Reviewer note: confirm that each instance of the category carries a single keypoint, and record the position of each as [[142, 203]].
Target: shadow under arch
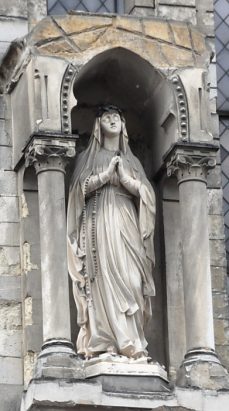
[[121, 77]]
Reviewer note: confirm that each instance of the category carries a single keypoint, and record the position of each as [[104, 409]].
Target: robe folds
[[111, 254]]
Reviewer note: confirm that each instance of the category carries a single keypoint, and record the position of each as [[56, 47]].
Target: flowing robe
[[111, 256]]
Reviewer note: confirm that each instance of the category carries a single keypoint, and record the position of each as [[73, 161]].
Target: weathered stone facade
[[177, 39]]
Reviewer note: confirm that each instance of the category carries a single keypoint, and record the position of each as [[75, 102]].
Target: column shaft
[[196, 265], [55, 293]]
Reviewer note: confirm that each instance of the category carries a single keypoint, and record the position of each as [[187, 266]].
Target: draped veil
[[85, 167]]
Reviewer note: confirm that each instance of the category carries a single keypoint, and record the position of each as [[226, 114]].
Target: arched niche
[[147, 97], [149, 104]]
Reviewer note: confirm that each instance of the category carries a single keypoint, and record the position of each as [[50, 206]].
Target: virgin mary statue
[[111, 218]]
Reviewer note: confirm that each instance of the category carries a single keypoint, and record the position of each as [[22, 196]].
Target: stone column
[[49, 156], [190, 164]]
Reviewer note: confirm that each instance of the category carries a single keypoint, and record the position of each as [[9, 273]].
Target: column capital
[[49, 152], [190, 162]]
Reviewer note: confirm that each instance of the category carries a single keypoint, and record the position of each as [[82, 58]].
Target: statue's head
[[110, 123], [110, 120]]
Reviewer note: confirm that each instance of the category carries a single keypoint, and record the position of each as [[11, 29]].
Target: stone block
[[10, 261], [5, 158], [2, 107], [12, 29], [33, 338], [131, 6], [218, 253], [220, 306], [4, 135], [222, 351], [215, 125], [177, 57], [33, 284], [10, 316], [13, 8], [214, 177], [181, 34], [219, 279], [10, 343], [10, 288], [29, 365], [215, 201], [207, 22], [177, 13], [203, 375], [126, 23], [59, 48], [47, 30], [11, 371], [77, 24], [86, 40], [215, 401], [37, 311], [9, 234], [152, 52], [216, 227], [207, 5], [8, 183], [212, 75], [198, 40], [157, 29], [143, 11], [10, 397], [9, 209], [28, 311], [221, 328], [37, 10]]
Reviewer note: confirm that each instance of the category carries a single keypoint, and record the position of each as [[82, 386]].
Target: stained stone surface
[[52, 40]]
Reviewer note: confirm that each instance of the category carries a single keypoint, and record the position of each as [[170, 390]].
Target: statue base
[[119, 374]]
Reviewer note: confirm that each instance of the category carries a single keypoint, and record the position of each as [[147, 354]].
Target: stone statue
[[111, 218]]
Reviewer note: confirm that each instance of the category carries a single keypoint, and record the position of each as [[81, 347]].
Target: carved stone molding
[[49, 153], [66, 90], [182, 106], [189, 162]]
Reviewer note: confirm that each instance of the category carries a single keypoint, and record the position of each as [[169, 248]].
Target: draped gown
[[110, 254]]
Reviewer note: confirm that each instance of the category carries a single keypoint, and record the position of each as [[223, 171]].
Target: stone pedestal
[[118, 374], [49, 155], [105, 382], [190, 164]]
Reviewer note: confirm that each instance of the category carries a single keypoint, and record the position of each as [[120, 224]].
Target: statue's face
[[111, 123]]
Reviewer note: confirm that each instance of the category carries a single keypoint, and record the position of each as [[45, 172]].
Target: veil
[[84, 167]]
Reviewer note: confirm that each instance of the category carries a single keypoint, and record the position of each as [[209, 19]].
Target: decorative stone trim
[[49, 153], [189, 162], [66, 89], [182, 107]]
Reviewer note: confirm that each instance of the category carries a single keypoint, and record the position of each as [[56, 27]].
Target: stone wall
[[22, 305], [11, 378]]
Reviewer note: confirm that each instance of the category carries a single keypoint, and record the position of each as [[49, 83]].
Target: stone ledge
[[86, 395]]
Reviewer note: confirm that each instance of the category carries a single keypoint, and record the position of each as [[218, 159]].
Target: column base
[[58, 360], [202, 369]]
